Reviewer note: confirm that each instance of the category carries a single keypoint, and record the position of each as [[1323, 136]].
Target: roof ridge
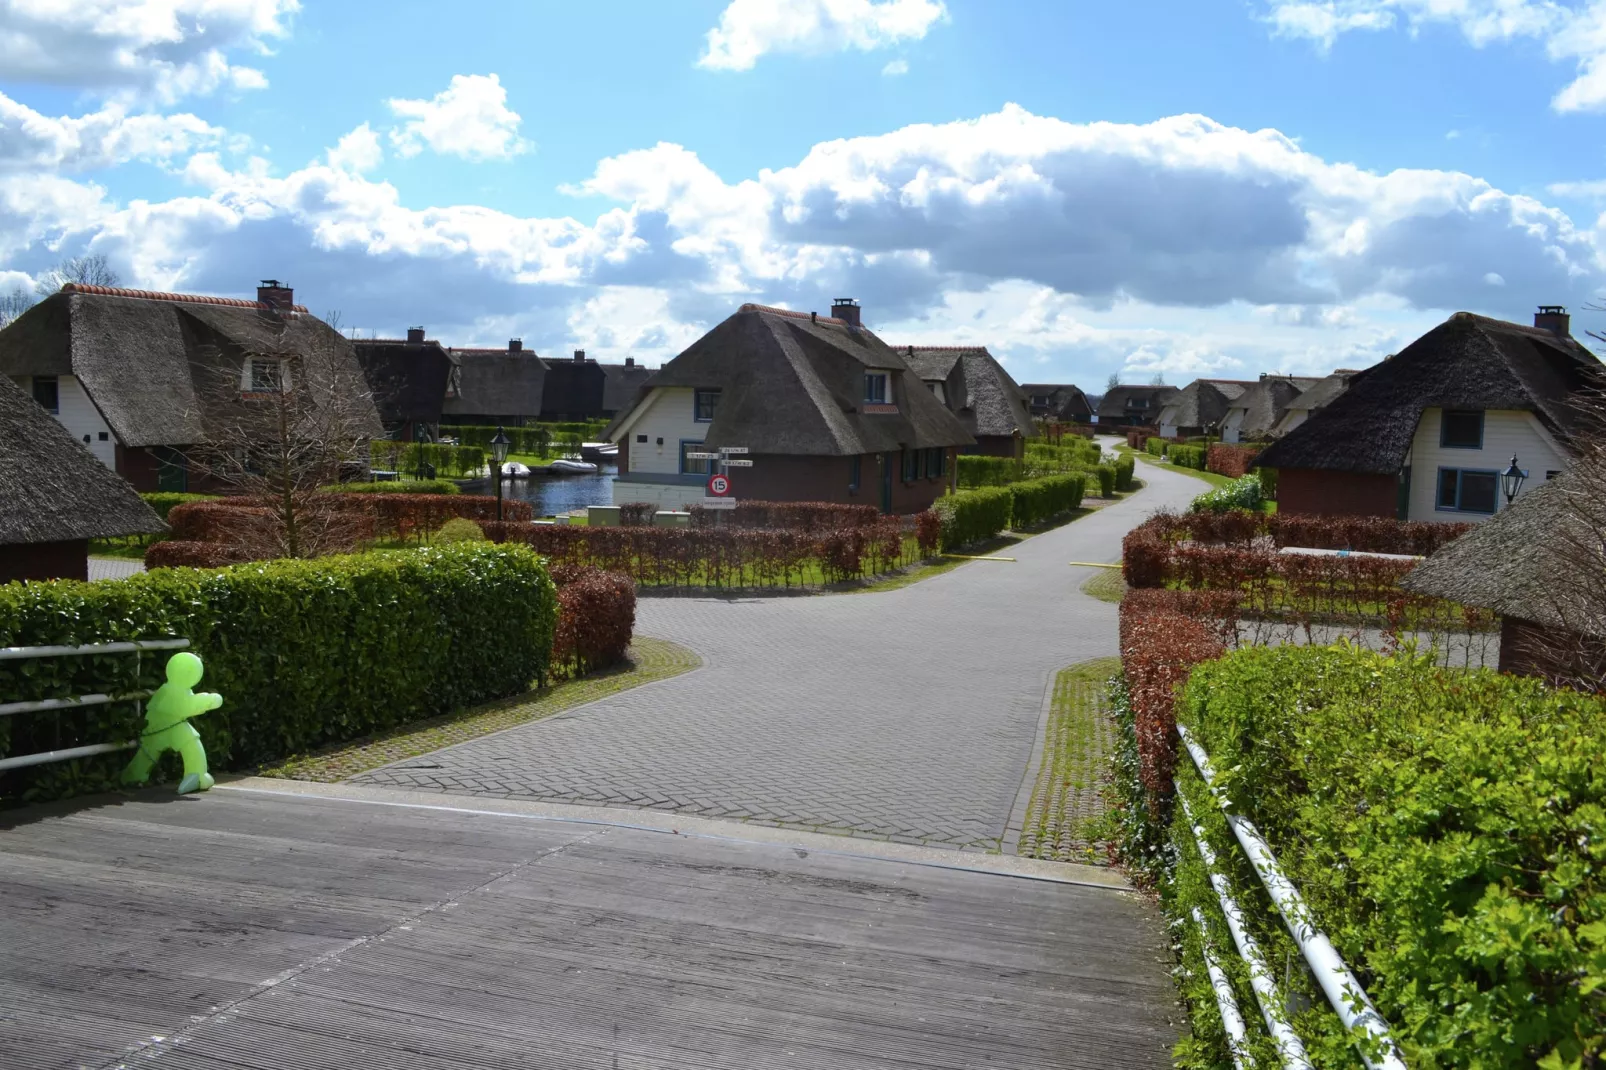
[[941, 349], [158, 295], [793, 313]]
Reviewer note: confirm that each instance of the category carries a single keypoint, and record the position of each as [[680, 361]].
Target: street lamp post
[[1511, 479], [499, 446]]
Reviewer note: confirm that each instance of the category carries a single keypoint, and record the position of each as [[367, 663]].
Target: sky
[[1171, 187]]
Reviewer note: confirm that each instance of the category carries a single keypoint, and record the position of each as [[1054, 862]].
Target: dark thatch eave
[[1066, 401], [794, 385], [408, 379], [1116, 403], [622, 384], [52, 489], [497, 382], [1202, 403], [978, 390], [1466, 362], [1264, 403]]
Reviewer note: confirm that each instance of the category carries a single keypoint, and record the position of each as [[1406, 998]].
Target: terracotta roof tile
[[157, 295], [794, 314]]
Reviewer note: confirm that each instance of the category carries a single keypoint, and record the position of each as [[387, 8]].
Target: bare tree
[[1158, 380], [1113, 381], [91, 270], [14, 304], [284, 418]]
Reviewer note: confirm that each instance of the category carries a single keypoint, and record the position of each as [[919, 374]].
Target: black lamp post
[[499, 446], [1511, 479]]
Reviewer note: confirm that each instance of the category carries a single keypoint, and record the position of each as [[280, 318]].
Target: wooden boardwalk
[[294, 932]]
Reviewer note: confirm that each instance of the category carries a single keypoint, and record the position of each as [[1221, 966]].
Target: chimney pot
[[415, 334], [1554, 318], [276, 296], [579, 354], [515, 345], [847, 310], [630, 362]]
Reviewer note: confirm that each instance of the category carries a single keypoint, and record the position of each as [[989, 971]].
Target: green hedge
[[1268, 483], [975, 470], [969, 516], [304, 653], [1154, 446], [163, 501], [1124, 467], [1446, 829], [532, 439], [1242, 493], [1187, 456], [1105, 474], [465, 462], [1037, 500], [397, 486]]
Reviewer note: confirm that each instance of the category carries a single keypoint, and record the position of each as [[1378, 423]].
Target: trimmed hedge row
[[1187, 456], [1230, 460], [1242, 493], [1371, 534], [162, 502], [465, 462], [596, 617], [1125, 466], [970, 516], [976, 470], [791, 516], [1037, 500], [1444, 829], [305, 653], [396, 486]]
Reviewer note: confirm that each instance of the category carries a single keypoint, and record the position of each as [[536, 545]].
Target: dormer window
[[454, 382], [264, 375], [875, 388], [939, 392]]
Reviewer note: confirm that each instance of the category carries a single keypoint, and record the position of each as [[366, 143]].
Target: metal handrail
[[129, 646], [1232, 1020], [1338, 984]]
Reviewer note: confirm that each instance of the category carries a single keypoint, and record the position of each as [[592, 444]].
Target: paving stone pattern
[[908, 715]]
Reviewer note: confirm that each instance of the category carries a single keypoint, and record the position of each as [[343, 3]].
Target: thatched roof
[[408, 379], [1321, 392], [1118, 403], [976, 387], [622, 385], [496, 382], [1202, 403], [52, 489], [148, 360], [1263, 403], [1063, 401], [1514, 562], [793, 383], [1466, 362]]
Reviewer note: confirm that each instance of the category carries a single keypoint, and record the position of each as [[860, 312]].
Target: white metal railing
[[1344, 993], [135, 647]]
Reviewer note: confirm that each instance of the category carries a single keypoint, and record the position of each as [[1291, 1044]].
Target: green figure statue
[[167, 726]]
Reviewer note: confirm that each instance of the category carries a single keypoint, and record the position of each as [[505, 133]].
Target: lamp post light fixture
[[1511, 479], [499, 446]]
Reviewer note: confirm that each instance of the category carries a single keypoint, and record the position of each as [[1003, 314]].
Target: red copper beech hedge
[[1164, 634], [1226, 459], [596, 616], [794, 516]]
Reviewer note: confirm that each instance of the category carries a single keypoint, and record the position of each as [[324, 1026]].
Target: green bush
[[1106, 477], [1242, 493], [969, 516], [1445, 829], [1036, 500], [1187, 456], [1268, 483], [1154, 446], [1124, 467], [397, 486], [163, 501], [304, 653], [407, 458], [975, 470], [459, 529]]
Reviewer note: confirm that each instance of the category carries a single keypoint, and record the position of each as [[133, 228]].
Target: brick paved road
[[908, 715]]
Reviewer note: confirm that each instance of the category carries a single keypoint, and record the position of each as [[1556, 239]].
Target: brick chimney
[[1553, 318], [579, 355], [515, 345], [846, 309], [273, 295], [415, 334], [630, 362]]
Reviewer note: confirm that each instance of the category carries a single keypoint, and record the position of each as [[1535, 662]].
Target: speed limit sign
[[719, 485]]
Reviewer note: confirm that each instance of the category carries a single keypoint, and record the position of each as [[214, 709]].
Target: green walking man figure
[[167, 726]]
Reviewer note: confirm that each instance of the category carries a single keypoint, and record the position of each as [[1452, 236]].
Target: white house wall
[[666, 413], [1506, 432], [80, 417], [1231, 426]]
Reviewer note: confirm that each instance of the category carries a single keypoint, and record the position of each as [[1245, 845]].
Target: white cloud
[[30, 141], [749, 29], [163, 48], [1570, 31], [895, 68], [1592, 189], [1494, 278], [469, 118], [358, 151]]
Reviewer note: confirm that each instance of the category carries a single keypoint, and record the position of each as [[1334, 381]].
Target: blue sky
[[1203, 187]]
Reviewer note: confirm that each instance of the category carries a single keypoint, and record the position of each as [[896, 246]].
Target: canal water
[[551, 495]]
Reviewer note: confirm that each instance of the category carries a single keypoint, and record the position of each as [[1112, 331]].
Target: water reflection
[[551, 495]]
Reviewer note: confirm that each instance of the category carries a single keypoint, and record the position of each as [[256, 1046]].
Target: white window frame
[[885, 379]]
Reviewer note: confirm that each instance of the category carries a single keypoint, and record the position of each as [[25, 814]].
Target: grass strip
[[1067, 805], [1107, 585], [648, 660]]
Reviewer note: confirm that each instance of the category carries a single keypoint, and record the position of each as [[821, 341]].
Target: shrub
[[1232, 460], [1442, 827], [794, 516], [1154, 446], [969, 516], [1037, 500], [180, 553], [928, 532], [975, 470], [1187, 456], [1160, 644], [404, 457], [1268, 483], [459, 529], [304, 653], [218, 520], [596, 616], [163, 502], [1106, 478], [397, 486], [1241, 493], [637, 514], [1124, 468]]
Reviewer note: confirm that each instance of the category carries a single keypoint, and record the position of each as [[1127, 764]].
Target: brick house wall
[[68, 560], [997, 446], [1322, 492]]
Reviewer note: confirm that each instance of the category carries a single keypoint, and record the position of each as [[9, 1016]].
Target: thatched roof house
[[1423, 435], [1200, 407], [826, 409], [1318, 395], [623, 382], [408, 378], [1252, 415], [55, 496], [1065, 402], [494, 386], [977, 389], [138, 376], [1136, 406]]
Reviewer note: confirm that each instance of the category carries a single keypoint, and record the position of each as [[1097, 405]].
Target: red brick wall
[[45, 561], [136, 465], [999, 446], [1319, 492], [775, 478]]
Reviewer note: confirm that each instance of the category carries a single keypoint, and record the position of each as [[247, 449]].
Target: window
[[855, 471], [875, 388], [1465, 490], [1461, 430], [911, 465], [934, 462], [46, 393], [1040, 399], [940, 392], [1137, 403], [267, 376], [704, 403], [641, 438], [693, 465]]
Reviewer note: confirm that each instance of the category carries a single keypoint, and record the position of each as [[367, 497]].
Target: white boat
[[604, 452], [568, 464], [515, 470]]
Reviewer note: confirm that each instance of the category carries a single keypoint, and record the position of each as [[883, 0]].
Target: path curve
[[910, 715]]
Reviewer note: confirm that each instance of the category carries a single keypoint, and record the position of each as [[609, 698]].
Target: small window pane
[[1478, 490], [875, 388], [264, 376], [46, 393], [1447, 488], [706, 402], [691, 465], [1462, 431]]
